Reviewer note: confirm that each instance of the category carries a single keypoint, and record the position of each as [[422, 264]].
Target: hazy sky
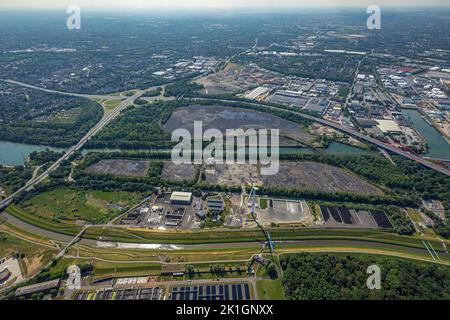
[[179, 4]]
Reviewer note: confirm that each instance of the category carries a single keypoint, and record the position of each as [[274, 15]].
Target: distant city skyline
[[199, 4]]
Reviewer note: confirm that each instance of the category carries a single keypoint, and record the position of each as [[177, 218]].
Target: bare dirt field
[[179, 172], [285, 212], [318, 177], [136, 168], [222, 118], [232, 175]]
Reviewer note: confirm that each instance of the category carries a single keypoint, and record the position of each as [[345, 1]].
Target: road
[[107, 118], [89, 96]]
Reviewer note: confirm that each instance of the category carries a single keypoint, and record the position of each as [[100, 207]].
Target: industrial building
[[182, 198], [255, 93], [39, 287], [239, 291], [215, 205], [388, 126]]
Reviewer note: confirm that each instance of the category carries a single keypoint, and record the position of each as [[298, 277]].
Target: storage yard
[[136, 168], [318, 177]]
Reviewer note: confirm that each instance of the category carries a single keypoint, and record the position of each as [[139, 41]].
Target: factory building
[[388, 126]]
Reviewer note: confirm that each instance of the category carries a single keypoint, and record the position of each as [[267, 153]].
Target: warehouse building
[[182, 198], [388, 126]]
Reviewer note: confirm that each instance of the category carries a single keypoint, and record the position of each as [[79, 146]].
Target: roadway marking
[[429, 251]]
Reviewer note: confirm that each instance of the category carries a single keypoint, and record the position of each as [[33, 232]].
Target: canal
[[15, 154]]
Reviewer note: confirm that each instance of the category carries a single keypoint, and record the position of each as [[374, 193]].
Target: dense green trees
[[402, 224], [37, 158], [334, 277], [183, 88], [138, 128], [14, 177]]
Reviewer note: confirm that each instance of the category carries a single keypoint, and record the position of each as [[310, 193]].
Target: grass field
[[31, 256], [263, 202], [111, 104], [70, 204]]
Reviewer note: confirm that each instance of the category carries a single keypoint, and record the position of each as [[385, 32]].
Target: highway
[[89, 96]]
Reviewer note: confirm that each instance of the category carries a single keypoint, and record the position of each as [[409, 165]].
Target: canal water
[[438, 146]]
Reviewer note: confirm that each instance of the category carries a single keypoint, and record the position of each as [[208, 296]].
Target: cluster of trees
[[152, 93], [138, 128], [402, 224], [442, 228], [36, 123], [321, 276], [37, 158], [155, 168], [184, 88]]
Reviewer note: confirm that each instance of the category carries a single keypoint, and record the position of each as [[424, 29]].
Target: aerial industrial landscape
[[94, 204]]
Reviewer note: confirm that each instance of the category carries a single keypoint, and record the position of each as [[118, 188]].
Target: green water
[[438, 147], [14, 154]]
